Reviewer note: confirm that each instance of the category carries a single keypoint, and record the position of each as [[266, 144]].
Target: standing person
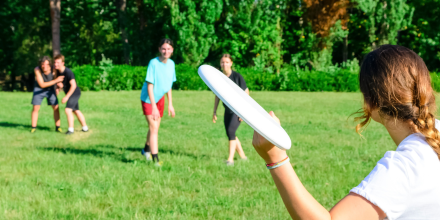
[[73, 93], [396, 87], [44, 87], [161, 75], [231, 120]]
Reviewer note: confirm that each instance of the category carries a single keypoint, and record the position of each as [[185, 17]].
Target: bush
[[124, 77]]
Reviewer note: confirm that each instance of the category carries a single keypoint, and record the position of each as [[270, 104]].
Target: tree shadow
[[93, 152], [22, 126]]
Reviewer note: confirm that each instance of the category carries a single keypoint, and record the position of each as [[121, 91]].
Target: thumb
[[272, 114]]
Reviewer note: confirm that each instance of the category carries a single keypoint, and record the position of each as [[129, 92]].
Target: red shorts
[[148, 108]]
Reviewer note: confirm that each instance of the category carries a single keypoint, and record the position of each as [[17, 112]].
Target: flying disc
[[244, 106]]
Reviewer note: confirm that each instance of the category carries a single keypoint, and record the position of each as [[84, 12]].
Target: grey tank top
[[46, 78]]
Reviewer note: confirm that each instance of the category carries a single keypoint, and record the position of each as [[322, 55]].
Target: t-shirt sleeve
[[388, 186], [174, 74], [242, 83], [70, 75], [151, 74]]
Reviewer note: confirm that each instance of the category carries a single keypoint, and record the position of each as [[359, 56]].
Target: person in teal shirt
[[161, 75]]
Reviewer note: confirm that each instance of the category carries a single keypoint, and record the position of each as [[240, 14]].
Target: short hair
[[227, 55], [59, 56], [44, 59], [166, 41]]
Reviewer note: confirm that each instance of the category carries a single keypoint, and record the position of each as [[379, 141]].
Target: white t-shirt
[[405, 183]]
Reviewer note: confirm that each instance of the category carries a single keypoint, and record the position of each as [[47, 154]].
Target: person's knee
[[68, 110], [55, 107], [36, 108]]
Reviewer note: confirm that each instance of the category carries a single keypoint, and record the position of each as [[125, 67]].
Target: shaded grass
[[102, 175]]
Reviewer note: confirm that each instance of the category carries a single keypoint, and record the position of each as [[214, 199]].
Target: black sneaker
[[69, 133], [58, 130]]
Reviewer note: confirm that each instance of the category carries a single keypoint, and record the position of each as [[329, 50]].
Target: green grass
[[102, 175]]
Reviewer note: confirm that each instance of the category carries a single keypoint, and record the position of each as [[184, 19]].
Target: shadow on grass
[[93, 152], [22, 126], [172, 152]]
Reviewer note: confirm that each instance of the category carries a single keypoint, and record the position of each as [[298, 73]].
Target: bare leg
[[232, 147], [148, 138], [239, 148], [34, 117], [80, 117], [70, 118], [56, 115], [153, 126]]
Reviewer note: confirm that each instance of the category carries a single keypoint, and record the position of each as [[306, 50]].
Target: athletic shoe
[[158, 164], [146, 154], [58, 130], [33, 130], [69, 133], [229, 163], [84, 131]]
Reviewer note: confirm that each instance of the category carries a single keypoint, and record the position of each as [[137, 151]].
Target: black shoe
[[58, 130], [69, 133], [85, 131]]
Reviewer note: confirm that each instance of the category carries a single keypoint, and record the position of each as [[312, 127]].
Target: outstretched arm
[[214, 115], [41, 82], [299, 202]]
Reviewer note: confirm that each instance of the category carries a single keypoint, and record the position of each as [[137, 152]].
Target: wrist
[[275, 158]]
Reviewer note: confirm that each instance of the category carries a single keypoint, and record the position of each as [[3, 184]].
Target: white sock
[[71, 129], [85, 128]]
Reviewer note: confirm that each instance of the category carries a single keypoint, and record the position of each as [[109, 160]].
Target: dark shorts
[[232, 122], [72, 103], [147, 108], [40, 94]]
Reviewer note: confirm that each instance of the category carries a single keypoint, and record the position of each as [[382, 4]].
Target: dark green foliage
[[124, 77]]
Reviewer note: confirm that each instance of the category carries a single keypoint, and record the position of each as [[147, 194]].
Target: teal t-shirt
[[162, 76]]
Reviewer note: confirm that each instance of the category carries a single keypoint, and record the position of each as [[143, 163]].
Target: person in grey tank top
[[44, 87]]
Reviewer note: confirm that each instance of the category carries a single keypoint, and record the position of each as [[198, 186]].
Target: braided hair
[[396, 81]]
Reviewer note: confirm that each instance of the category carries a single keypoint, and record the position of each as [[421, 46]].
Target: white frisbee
[[244, 106]]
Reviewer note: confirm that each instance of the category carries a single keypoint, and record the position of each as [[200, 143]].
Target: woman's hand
[[155, 113], [171, 111], [269, 152], [214, 117]]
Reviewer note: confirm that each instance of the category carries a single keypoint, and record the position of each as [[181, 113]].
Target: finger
[[272, 114]]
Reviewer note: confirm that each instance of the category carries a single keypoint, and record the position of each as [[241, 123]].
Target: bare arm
[[247, 91], [155, 113], [151, 95], [41, 82], [171, 111], [214, 114], [299, 202], [72, 88]]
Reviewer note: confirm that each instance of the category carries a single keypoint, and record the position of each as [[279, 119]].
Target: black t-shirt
[[68, 75], [238, 79]]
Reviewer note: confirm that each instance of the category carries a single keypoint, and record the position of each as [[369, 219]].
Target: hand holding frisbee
[[245, 107]]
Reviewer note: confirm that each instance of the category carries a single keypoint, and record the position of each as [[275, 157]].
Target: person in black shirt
[[44, 87], [231, 120], [73, 93]]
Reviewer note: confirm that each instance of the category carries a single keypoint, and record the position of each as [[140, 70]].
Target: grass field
[[102, 175]]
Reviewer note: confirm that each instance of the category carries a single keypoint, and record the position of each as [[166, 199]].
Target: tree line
[[261, 34]]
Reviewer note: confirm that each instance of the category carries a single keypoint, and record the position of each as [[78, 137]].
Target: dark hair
[[59, 56], [396, 81], [166, 41], [44, 59], [226, 55]]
